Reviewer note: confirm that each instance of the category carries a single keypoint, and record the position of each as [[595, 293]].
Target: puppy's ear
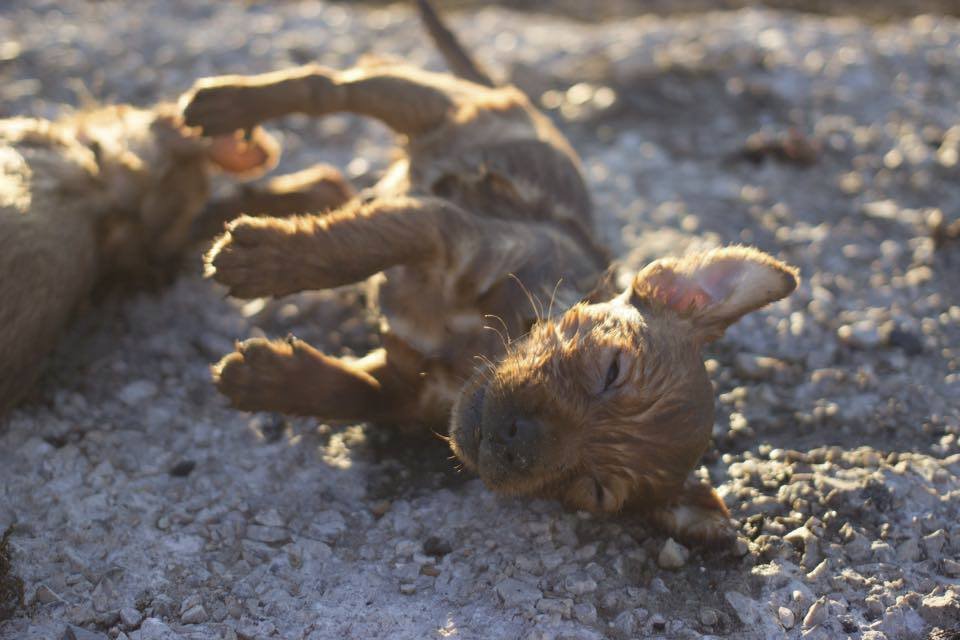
[[245, 157], [714, 289]]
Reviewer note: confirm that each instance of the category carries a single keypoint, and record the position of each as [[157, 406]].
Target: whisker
[[553, 297], [538, 313]]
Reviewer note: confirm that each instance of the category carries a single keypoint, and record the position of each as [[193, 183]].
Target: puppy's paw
[[257, 376], [254, 258], [697, 516], [222, 105], [696, 525]]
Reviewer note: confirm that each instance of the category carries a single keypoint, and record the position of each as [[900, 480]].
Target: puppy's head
[[610, 404], [157, 174]]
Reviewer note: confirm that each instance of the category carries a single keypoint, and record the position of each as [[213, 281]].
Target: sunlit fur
[[635, 440], [484, 213], [99, 198]]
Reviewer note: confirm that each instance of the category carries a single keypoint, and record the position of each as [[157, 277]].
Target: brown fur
[[100, 198], [485, 215]]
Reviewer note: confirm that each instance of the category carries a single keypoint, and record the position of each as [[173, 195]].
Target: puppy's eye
[[613, 372]]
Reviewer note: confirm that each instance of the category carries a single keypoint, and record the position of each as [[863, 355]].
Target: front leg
[[696, 514], [291, 377], [279, 256]]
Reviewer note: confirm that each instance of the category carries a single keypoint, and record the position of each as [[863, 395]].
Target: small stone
[[816, 615], [78, 633], [863, 334], [190, 602], [269, 518], [951, 568], [328, 525], [406, 548], [585, 613], [46, 595], [436, 547], [182, 468], [154, 629], [787, 619], [578, 585], [130, 617], [908, 550], [625, 623], [103, 596], [741, 547], [194, 615], [708, 617], [514, 593], [858, 548], [672, 555], [882, 552], [379, 509], [561, 606], [268, 535], [800, 537], [137, 392], [753, 367], [941, 610], [429, 570], [408, 588], [933, 544]]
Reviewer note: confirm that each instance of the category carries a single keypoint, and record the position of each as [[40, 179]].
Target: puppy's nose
[[514, 440]]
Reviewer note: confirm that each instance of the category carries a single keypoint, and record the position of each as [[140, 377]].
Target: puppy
[[105, 197], [601, 399]]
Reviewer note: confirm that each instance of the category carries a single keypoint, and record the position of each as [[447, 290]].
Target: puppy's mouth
[[479, 452], [465, 423]]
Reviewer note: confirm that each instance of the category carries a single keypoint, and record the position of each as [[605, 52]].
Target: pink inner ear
[[718, 279], [681, 293]]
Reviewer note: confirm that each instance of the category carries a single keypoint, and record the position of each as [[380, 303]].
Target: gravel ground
[[141, 507]]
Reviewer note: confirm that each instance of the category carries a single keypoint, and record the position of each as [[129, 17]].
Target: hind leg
[[408, 100], [292, 377]]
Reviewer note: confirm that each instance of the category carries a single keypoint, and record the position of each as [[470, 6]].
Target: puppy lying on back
[[600, 400], [102, 197]]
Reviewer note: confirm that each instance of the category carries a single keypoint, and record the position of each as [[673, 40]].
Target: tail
[[459, 61]]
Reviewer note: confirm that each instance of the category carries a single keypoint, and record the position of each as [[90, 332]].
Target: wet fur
[[483, 233]]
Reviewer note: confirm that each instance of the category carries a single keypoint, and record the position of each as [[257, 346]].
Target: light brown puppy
[[100, 198], [601, 399]]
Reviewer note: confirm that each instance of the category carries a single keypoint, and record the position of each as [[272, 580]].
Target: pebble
[[816, 615], [579, 585], [673, 555], [77, 633], [708, 617], [137, 392], [585, 612], [514, 593], [951, 568], [933, 544], [861, 335], [194, 615], [787, 619], [154, 629], [46, 595], [941, 610], [130, 617]]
